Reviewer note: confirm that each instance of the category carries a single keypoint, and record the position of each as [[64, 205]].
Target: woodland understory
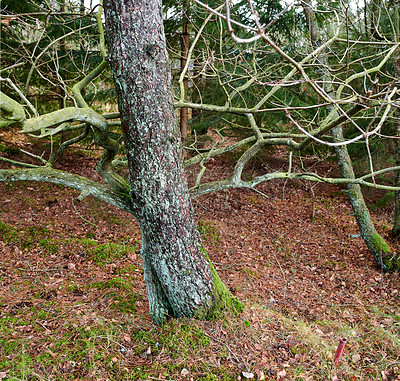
[[73, 302]]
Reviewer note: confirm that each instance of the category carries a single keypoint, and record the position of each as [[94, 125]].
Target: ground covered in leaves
[[73, 300]]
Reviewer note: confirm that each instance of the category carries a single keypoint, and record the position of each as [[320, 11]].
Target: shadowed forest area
[[199, 190]]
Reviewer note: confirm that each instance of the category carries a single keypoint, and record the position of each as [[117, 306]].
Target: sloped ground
[[73, 300]]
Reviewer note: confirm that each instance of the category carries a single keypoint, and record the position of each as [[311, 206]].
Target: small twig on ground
[[221, 342], [83, 218], [260, 193], [37, 270], [283, 274], [313, 202], [113, 341], [202, 206]]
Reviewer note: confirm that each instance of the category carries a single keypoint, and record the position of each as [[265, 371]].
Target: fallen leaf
[[248, 375], [281, 374], [127, 338], [184, 372]]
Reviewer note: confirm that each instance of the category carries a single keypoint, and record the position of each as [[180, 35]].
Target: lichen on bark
[[10, 111], [179, 280]]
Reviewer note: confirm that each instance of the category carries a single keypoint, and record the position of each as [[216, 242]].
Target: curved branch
[[69, 114], [85, 186], [11, 111], [234, 182], [100, 124]]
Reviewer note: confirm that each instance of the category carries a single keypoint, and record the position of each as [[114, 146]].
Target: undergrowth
[[36, 344]]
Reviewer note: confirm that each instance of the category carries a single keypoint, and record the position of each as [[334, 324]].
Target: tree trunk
[[375, 243], [178, 277], [396, 223], [184, 111]]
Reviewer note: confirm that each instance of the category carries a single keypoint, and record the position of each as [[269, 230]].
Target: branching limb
[[10, 111], [86, 186], [235, 182]]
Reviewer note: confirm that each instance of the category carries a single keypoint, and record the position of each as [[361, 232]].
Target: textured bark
[[10, 111], [184, 111], [396, 223], [178, 278]]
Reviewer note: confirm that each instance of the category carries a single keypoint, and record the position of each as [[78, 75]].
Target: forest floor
[[73, 299]]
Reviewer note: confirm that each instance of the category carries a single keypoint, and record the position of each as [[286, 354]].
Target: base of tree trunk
[[222, 300]]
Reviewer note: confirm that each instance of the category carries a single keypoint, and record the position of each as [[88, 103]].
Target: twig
[[37, 270], [221, 342], [83, 218]]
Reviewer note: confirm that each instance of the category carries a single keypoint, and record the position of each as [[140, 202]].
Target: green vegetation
[[34, 344], [209, 232], [118, 283], [28, 237], [105, 252], [9, 150]]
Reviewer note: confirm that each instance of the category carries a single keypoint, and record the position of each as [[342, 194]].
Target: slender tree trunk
[[375, 243], [375, 16], [61, 91], [396, 223], [178, 276], [185, 39]]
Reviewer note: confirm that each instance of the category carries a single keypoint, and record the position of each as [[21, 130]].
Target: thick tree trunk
[[184, 111], [178, 276], [396, 223]]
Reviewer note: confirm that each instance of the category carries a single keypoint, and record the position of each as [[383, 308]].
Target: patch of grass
[[9, 150], [8, 234], [48, 246], [106, 252], [117, 282], [90, 235], [127, 304], [184, 335], [26, 238], [130, 269], [50, 343], [209, 232]]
